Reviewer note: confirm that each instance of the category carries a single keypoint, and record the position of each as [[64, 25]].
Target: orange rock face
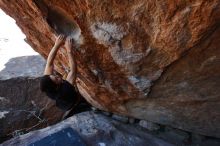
[[153, 60]]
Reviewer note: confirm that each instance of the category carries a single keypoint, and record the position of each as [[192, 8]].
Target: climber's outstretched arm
[[71, 77], [49, 65]]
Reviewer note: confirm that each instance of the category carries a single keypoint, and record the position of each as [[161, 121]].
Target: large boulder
[[153, 60], [88, 129], [23, 66], [24, 108]]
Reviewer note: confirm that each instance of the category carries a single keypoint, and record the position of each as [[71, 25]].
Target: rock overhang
[[144, 59]]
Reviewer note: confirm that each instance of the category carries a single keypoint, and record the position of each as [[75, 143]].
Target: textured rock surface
[[94, 130], [25, 66], [24, 108], [153, 60]]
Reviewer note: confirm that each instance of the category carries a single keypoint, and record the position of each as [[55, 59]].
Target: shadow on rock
[[24, 108]]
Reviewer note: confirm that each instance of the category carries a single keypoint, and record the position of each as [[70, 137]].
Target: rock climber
[[64, 92]]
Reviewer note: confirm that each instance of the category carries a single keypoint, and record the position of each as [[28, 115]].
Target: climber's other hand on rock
[[59, 40], [69, 44]]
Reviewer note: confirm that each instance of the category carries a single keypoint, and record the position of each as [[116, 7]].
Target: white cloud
[[12, 42]]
